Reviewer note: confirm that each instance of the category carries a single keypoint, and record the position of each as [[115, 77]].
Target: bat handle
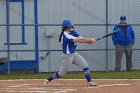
[[98, 39]]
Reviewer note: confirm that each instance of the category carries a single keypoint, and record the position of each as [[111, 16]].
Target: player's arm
[[81, 39]]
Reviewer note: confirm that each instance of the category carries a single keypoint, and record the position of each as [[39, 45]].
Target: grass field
[[77, 75]]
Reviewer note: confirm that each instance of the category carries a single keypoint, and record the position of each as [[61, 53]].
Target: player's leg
[[66, 62], [128, 54], [119, 53], [80, 61]]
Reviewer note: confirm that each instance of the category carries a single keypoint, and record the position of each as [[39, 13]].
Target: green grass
[[117, 75], [107, 75], [77, 75]]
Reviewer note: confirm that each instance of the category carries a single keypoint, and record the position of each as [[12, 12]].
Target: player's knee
[[85, 66]]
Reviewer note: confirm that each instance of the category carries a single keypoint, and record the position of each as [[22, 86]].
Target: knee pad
[[56, 75], [86, 71], [87, 74]]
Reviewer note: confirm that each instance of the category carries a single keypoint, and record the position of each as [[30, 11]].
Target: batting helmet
[[123, 17], [67, 23]]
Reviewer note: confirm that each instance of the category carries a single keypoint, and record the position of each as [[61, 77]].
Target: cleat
[[92, 84], [46, 82]]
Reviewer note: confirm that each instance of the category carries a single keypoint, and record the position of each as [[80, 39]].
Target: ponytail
[[63, 29], [61, 34]]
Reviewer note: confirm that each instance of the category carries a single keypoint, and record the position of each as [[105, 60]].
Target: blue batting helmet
[[123, 17], [67, 23]]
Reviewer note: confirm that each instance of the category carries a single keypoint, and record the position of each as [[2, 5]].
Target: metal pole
[[23, 22], [49, 56], [107, 24], [36, 36], [8, 35]]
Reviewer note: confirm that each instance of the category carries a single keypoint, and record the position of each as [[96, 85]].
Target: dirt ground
[[70, 86]]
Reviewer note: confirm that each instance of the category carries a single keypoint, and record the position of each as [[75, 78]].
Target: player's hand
[[92, 41]]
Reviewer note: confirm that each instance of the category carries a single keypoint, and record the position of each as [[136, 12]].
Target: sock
[[55, 75], [87, 74]]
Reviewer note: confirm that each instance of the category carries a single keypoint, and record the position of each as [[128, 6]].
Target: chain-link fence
[[30, 31]]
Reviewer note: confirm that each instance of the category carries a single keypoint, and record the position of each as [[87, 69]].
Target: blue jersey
[[123, 38], [68, 45]]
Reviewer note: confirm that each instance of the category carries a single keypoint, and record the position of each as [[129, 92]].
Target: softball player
[[69, 42]]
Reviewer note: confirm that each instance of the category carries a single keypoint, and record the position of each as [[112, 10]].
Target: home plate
[[110, 85]]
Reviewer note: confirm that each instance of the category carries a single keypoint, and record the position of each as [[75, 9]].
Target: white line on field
[[59, 91], [110, 85], [11, 91], [36, 88], [66, 89], [19, 85], [28, 91], [63, 90], [55, 91]]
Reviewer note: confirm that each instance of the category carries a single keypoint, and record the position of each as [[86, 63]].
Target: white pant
[[68, 59]]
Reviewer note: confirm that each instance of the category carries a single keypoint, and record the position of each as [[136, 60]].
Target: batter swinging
[[69, 42]]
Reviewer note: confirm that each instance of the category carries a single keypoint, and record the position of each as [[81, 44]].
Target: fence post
[[8, 35], [36, 35], [107, 33]]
